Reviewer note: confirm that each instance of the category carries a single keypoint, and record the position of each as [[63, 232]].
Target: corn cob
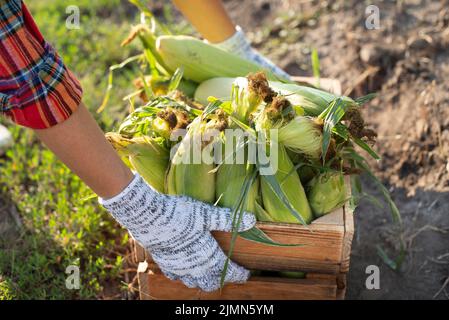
[[202, 61], [145, 155], [327, 192], [288, 179]]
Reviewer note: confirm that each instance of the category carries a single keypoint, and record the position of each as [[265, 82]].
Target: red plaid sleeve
[[36, 89]]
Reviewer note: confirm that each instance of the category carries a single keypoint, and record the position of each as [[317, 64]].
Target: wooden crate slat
[[321, 250], [158, 287]]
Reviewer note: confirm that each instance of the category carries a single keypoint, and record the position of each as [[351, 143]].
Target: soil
[[406, 62]]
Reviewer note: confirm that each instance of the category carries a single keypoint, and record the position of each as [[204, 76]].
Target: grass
[[59, 228]]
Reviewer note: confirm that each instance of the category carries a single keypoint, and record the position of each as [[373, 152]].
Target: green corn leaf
[[341, 130], [361, 163], [110, 86], [257, 235], [237, 213], [362, 144], [332, 116], [176, 79], [365, 99], [396, 263]]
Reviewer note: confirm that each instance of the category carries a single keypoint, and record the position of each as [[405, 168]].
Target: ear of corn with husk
[[148, 157], [303, 135], [186, 177], [312, 101], [327, 192], [288, 179], [202, 61]]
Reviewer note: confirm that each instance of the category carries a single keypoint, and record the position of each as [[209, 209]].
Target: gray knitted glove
[[176, 231], [239, 45]]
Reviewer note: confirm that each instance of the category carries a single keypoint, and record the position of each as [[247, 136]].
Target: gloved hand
[[176, 231], [239, 45]]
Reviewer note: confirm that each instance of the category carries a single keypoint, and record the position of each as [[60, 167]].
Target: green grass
[[59, 228]]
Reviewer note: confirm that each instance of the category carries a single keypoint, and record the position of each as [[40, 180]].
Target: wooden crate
[[324, 257]]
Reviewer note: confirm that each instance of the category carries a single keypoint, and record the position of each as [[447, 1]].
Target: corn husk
[[148, 157], [192, 178], [290, 183], [202, 61], [230, 180], [312, 101], [327, 192], [303, 135]]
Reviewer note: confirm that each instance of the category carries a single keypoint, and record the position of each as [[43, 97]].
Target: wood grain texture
[[139, 252], [157, 287], [321, 250]]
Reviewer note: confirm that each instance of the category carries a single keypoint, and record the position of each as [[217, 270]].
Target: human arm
[[80, 144]]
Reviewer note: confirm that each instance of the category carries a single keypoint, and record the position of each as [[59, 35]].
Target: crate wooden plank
[[327, 244], [155, 286], [139, 252], [341, 286], [321, 250]]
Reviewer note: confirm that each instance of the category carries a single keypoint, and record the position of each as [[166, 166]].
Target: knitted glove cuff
[[237, 43], [127, 193]]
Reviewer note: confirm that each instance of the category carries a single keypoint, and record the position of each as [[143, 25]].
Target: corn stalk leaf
[[362, 144], [110, 86], [365, 99], [396, 263], [356, 191], [237, 213], [176, 79], [360, 162], [332, 116], [213, 106], [257, 235], [341, 130]]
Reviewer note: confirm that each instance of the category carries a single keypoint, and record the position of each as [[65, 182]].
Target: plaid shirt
[[36, 89]]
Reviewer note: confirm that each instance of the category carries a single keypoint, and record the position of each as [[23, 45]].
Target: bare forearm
[[209, 17], [81, 145]]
